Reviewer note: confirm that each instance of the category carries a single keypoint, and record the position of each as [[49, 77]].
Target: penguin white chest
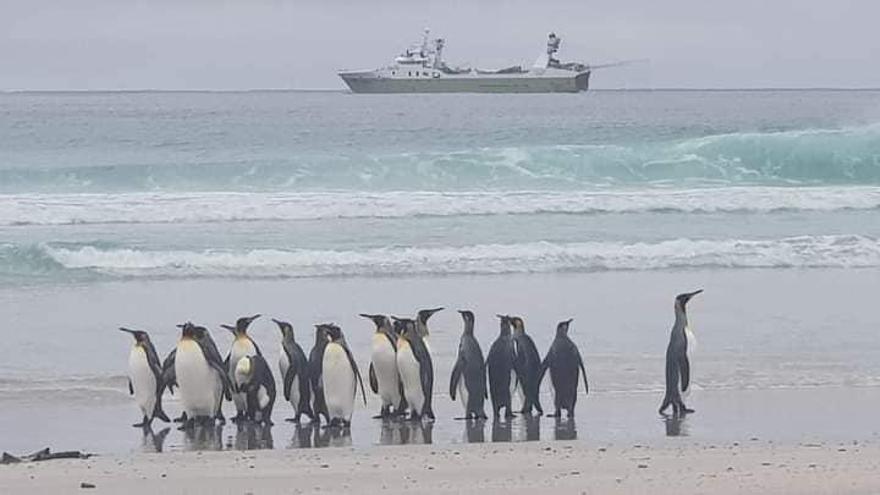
[[283, 362], [463, 394], [200, 386], [241, 347], [410, 375], [691, 340], [384, 360], [143, 381], [339, 382], [284, 365]]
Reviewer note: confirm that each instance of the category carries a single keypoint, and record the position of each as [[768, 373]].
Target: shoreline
[[676, 466]]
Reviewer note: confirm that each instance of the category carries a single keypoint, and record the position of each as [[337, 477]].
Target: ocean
[[146, 209]]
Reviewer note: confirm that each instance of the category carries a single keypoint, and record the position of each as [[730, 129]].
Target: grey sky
[[192, 44]]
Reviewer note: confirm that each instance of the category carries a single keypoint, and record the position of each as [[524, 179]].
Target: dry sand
[[674, 467]]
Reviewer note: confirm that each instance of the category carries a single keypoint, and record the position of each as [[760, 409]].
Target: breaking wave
[[135, 208], [817, 156], [534, 257]]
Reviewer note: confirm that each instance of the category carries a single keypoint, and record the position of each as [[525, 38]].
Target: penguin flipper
[[130, 388], [583, 372], [684, 367], [454, 379], [357, 372], [288, 381], [374, 383]]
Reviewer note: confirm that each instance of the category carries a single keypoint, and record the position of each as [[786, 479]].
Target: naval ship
[[421, 69]]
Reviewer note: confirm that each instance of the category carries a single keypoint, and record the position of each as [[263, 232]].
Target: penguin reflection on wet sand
[[242, 346], [340, 377], [145, 380], [294, 367], [502, 375], [528, 367], [564, 362], [383, 375], [416, 370], [202, 379], [678, 354], [254, 380], [469, 372]]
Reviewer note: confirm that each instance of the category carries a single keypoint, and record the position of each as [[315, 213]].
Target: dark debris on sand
[[43, 455]]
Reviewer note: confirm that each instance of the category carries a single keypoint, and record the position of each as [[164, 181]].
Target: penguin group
[[324, 385]]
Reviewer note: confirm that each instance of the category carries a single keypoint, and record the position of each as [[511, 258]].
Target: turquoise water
[[147, 209], [108, 185]]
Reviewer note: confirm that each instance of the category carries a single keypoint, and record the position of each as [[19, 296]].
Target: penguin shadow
[[528, 428], [331, 437], [389, 432], [564, 429], [475, 430], [153, 442], [253, 436], [676, 425], [502, 431], [203, 437], [302, 436]]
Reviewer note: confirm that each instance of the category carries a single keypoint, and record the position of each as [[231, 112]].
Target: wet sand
[[748, 466]]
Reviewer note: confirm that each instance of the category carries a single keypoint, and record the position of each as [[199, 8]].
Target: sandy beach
[[749, 466]]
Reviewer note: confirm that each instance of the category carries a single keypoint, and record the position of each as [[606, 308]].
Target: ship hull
[[368, 82]]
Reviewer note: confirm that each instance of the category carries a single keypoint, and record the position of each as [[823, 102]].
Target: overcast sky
[[211, 44]]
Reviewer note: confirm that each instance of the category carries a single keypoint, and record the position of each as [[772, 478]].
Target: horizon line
[[344, 90]]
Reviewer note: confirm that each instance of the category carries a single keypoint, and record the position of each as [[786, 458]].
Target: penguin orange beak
[[229, 327]]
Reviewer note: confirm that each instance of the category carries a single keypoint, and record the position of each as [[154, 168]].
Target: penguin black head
[[518, 325], [140, 336], [427, 313], [285, 327], [505, 324], [186, 330], [199, 333], [381, 321], [562, 327], [241, 325], [681, 300], [332, 332], [405, 327], [468, 317]]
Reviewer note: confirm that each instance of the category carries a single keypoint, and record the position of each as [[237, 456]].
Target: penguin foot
[[292, 420], [557, 414], [688, 410]]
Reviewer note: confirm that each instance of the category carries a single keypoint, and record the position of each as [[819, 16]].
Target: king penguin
[[416, 370], [294, 369], [528, 367], [145, 378], [469, 372], [254, 379], [564, 361], [340, 377], [316, 365], [678, 354], [383, 375], [422, 325], [502, 375], [201, 376], [242, 346]]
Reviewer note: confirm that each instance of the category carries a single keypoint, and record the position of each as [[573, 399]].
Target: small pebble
[[86, 485], [643, 466]]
